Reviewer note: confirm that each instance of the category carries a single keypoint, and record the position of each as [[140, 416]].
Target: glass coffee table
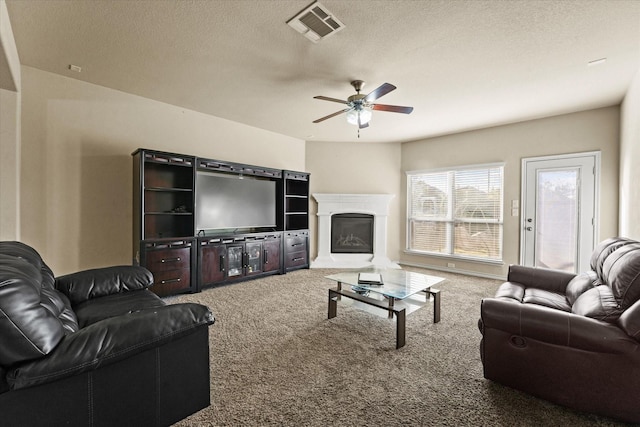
[[401, 292]]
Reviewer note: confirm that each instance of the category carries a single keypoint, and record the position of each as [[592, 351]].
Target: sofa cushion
[[598, 303], [546, 298], [604, 249], [510, 291], [29, 322], [621, 271], [579, 284], [97, 309]]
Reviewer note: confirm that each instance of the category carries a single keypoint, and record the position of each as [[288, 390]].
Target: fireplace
[[352, 233], [345, 217]]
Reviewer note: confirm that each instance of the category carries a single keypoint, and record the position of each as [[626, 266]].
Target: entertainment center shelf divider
[[172, 193]]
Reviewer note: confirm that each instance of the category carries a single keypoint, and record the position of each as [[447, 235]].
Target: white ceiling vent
[[315, 22]]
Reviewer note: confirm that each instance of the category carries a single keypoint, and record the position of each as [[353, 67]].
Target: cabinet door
[[253, 258], [271, 253], [212, 264], [235, 260]]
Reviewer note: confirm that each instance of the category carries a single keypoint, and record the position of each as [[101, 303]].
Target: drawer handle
[[163, 282], [176, 259], [297, 259], [296, 244]]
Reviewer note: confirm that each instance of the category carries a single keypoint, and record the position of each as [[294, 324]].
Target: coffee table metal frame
[[387, 304]]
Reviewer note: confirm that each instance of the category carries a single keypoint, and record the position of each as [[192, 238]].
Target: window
[[456, 212]]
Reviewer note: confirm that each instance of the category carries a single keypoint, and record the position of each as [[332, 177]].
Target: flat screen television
[[234, 202]]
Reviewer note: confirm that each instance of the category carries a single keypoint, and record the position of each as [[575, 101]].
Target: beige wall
[[10, 165], [77, 140], [630, 162], [10, 87], [356, 168], [594, 130]]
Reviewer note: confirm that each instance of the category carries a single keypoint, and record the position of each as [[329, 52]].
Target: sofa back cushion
[[618, 266], [34, 317], [579, 285], [598, 303], [604, 249]]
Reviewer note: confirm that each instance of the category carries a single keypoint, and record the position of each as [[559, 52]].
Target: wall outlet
[[451, 265]]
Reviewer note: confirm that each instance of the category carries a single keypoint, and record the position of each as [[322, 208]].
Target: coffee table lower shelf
[[388, 304]]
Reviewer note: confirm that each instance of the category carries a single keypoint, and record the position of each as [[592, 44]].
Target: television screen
[[234, 202]]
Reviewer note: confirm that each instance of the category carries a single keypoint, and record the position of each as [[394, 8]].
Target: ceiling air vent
[[315, 23]]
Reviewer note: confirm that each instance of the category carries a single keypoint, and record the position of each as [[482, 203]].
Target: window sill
[[455, 257]]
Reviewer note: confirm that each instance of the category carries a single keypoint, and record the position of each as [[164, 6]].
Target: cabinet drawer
[[295, 259], [293, 244], [168, 259], [171, 281]]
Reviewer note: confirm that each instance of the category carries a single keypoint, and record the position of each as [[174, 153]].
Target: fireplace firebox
[[352, 233]]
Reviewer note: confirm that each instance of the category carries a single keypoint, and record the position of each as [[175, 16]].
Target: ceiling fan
[[359, 107]]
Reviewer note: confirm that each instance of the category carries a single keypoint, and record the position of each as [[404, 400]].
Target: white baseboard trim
[[454, 270]]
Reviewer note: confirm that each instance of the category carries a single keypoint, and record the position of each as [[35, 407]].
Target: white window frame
[[450, 220]]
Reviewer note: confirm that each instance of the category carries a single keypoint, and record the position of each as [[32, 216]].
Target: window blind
[[457, 212]]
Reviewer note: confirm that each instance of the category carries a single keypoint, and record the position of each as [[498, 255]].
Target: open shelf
[[296, 200]]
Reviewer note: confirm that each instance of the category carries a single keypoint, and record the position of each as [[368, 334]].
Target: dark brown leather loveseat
[[96, 348], [571, 339]]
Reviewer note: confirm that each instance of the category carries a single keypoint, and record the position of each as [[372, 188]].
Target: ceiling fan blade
[[326, 98], [381, 91], [331, 115], [392, 108]]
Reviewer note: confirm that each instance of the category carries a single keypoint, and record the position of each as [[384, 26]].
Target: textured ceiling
[[462, 65]]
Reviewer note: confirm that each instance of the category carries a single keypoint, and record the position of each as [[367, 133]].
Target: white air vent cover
[[315, 23]]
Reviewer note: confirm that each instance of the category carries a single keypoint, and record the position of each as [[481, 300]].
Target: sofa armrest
[[555, 327], [88, 284], [109, 341], [541, 278]]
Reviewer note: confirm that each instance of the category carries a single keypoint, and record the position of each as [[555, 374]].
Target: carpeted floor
[[277, 360]]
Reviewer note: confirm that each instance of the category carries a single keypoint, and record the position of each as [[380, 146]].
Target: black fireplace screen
[[352, 233]]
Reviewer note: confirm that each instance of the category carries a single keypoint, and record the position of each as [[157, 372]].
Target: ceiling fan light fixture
[[364, 113]]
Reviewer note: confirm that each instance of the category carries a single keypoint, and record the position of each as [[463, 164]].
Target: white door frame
[[523, 202]]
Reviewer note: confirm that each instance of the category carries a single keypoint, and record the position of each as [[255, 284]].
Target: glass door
[[254, 257], [559, 196], [235, 260]]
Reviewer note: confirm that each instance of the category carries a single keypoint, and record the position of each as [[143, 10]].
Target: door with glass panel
[[559, 195]]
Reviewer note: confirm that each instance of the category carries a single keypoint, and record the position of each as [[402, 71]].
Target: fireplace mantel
[[372, 204]]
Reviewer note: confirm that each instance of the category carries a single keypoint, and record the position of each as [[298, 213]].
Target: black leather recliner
[[571, 339], [96, 347]]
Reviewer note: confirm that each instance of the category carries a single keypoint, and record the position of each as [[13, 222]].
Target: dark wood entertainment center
[[183, 258]]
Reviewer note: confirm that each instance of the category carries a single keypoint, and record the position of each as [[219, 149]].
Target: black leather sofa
[[96, 348], [571, 339]]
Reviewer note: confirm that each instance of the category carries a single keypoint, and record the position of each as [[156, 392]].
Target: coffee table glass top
[[398, 284]]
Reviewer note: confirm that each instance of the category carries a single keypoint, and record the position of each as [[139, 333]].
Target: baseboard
[[454, 270]]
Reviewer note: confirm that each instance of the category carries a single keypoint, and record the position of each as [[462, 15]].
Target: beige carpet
[[277, 360]]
